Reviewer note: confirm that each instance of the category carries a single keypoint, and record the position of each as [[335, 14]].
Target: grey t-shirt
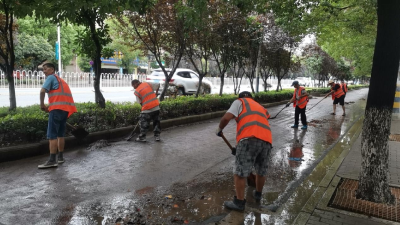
[[236, 108]]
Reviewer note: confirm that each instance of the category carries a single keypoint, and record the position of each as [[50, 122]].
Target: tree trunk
[[11, 90], [99, 98], [221, 87], [376, 128]]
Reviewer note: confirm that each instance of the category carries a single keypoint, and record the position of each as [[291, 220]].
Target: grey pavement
[[320, 214], [190, 163]]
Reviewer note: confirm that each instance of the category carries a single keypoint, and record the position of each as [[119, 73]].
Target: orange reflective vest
[[147, 96], [302, 102], [338, 93], [344, 87], [62, 98], [253, 121]]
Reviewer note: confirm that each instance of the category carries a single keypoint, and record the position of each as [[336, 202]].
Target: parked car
[[186, 81]]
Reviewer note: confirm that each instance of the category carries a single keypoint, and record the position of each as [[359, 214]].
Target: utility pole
[[59, 49]]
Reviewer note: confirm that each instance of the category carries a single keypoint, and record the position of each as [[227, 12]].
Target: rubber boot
[[236, 204]]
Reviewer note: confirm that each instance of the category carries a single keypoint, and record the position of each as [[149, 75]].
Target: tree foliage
[[159, 32], [31, 51], [45, 29]]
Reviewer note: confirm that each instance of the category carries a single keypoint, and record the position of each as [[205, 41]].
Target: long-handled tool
[[78, 132], [132, 133], [229, 144], [251, 179], [277, 113], [317, 103]]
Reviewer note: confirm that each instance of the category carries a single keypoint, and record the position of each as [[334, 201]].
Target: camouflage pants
[[145, 119]]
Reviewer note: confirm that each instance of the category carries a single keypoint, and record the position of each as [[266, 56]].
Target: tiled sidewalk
[[350, 168]]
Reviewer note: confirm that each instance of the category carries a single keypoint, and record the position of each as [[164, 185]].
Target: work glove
[[218, 132], [287, 104], [233, 150]]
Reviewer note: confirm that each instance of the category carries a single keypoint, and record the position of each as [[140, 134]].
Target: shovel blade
[[80, 133]]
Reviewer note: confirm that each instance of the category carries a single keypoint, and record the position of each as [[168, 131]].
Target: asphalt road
[[129, 180]]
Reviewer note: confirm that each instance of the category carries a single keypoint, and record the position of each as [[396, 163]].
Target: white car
[[185, 80]]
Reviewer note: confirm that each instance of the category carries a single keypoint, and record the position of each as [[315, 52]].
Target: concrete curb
[[324, 191], [29, 150]]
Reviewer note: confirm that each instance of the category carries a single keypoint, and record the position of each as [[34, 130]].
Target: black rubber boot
[[257, 195], [236, 204]]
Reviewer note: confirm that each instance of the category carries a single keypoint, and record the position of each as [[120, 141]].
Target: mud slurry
[[183, 203]]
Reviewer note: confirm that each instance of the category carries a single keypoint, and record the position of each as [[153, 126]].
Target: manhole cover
[[394, 137], [345, 198]]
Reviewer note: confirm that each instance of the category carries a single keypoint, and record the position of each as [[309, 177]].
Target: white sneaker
[[48, 164]]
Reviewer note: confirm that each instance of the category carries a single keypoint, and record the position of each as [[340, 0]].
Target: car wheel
[[181, 91], [207, 91]]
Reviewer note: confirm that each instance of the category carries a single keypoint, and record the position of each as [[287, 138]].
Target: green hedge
[[328, 89], [29, 124]]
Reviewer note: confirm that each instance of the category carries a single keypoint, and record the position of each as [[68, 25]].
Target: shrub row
[[29, 124]]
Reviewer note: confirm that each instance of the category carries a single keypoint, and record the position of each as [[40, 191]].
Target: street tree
[[346, 29], [230, 33], [31, 51], [159, 31], [9, 10], [373, 185], [129, 54], [200, 17], [90, 14], [45, 29]]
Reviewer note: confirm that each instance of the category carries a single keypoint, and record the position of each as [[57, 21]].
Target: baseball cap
[[330, 82], [245, 94], [295, 83]]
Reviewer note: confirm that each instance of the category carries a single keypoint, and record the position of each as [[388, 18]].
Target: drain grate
[[345, 198], [394, 137]]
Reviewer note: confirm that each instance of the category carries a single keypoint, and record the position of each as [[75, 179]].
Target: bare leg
[[61, 144], [240, 185], [334, 108], [260, 180], [344, 110], [53, 144]]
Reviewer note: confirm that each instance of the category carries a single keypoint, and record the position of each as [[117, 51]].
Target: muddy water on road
[[184, 179], [200, 201]]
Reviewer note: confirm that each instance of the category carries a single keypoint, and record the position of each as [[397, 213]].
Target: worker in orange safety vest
[[61, 107], [343, 85], [254, 144], [145, 96], [337, 96], [300, 100]]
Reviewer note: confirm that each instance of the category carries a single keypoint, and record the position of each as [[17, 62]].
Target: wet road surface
[[184, 179]]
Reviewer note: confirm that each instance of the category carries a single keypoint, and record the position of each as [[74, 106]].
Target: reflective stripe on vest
[[338, 93], [61, 98], [302, 102], [147, 96], [253, 121]]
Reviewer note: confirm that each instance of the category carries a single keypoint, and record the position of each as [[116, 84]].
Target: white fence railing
[[35, 79]]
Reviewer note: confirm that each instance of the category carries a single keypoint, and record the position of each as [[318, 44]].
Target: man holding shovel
[[300, 100], [61, 107], [254, 139], [337, 96], [150, 109]]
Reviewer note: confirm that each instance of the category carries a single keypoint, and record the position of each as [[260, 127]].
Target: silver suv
[[186, 81]]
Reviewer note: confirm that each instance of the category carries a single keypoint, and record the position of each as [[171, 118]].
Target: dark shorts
[[339, 100], [56, 125], [252, 152]]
